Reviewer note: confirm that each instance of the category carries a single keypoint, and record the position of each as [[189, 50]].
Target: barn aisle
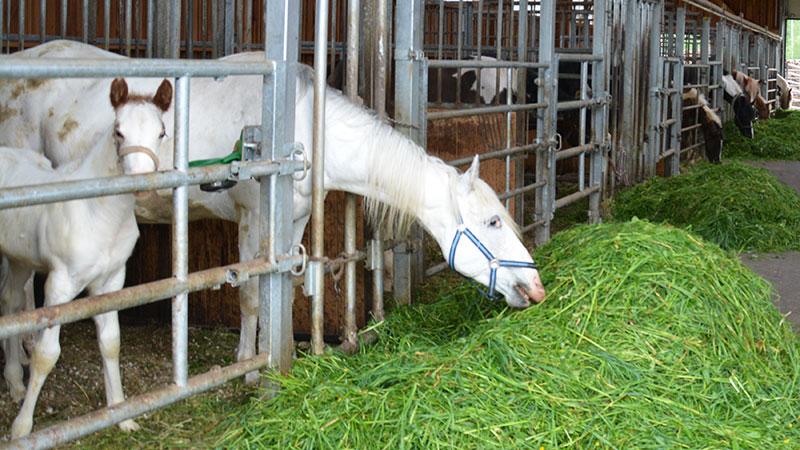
[[782, 269]]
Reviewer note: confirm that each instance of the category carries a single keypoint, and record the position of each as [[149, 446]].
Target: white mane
[[396, 165]]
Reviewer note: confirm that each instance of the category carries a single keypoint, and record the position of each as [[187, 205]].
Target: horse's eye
[[118, 135], [495, 222], [162, 135]]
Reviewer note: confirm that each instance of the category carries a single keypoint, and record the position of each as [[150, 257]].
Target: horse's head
[[138, 126], [486, 245], [743, 115]]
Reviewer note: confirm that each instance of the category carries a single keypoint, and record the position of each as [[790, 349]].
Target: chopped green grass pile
[[776, 138], [650, 338], [738, 207]]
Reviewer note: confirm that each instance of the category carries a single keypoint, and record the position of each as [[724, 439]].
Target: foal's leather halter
[[138, 149], [494, 263]]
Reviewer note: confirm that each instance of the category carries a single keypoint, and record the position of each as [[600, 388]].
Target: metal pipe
[[575, 196], [142, 294], [21, 23], [85, 21], [180, 238], [135, 406], [448, 114], [106, 24], [527, 148], [350, 336], [318, 191], [14, 67], [454, 64], [124, 184], [128, 26], [148, 52], [42, 21]]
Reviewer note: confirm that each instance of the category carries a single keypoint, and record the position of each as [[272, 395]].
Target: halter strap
[[138, 149], [494, 263]]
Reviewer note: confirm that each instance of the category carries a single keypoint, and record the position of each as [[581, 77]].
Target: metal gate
[[271, 164]]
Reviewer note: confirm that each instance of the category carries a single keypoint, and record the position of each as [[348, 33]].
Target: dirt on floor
[[782, 270]]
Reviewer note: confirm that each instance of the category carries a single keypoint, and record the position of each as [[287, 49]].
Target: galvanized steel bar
[[673, 166], [106, 24], [142, 294], [42, 21], [21, 24], [318, 168], [85, 21], [150, 26], [656, 66], [282, 37], [484, 110], [522, 119], [135, 406], [189, 29], [350, 332], [180, 236], [89, 68], [499, 154], [546, 122], [71, 190], [128, 27], [175, 29], [483, 64], [598, 161]]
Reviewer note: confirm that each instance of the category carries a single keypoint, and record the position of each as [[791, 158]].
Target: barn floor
[[782, 270]]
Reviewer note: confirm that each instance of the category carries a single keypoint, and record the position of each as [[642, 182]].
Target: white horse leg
[[108, 340], [11, 301], [59, 289], [248, 291], [28, 340]]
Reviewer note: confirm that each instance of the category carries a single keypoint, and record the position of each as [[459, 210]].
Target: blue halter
[[494, 263]]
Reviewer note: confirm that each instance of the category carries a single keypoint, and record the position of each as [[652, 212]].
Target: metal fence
[[626, 58]]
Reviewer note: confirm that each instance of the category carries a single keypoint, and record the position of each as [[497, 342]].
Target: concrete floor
[[783, 270]]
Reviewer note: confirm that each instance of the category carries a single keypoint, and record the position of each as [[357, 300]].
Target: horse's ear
[[163, 96], [119, 92], [467, 179]]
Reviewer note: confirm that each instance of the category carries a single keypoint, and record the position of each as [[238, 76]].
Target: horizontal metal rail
[[137, 405], [123, 184], [14, 67], [578, 104], [522, 190], [575, 151], [575, 196], [484, 64], [533, 225], [499, 153], [142, 294], [449, 114], [578, 57]]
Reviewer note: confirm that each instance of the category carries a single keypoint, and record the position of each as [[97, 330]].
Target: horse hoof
[[218, 186], [17, 393], [129, 426]]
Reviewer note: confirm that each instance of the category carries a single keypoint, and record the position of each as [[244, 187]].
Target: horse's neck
[[376, 162], [100, 161]]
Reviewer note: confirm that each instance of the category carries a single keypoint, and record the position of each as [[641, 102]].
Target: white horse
[[79, 244], [363, 155]]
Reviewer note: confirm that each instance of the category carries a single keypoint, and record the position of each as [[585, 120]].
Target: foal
[[80, 244]]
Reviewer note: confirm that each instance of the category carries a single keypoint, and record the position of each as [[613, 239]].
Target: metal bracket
[[373, 255], [251, 143], [236, 278], [314, 273], [239, 171]]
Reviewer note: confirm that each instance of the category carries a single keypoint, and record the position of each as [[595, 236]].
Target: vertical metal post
[[175, 29], [106, 24], [350, 336], [629, 82], [599, 113], [318, 171], [151, 10], [189, 30], [87, 17], [282, 40], [3, 24], [719, 51], [229, 27], [180, 239], [42, 21], [408, 96], [545, 124], [656, 66], [522, 117], [705, 41], [128, 26], [21, 22], [673, 164]]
